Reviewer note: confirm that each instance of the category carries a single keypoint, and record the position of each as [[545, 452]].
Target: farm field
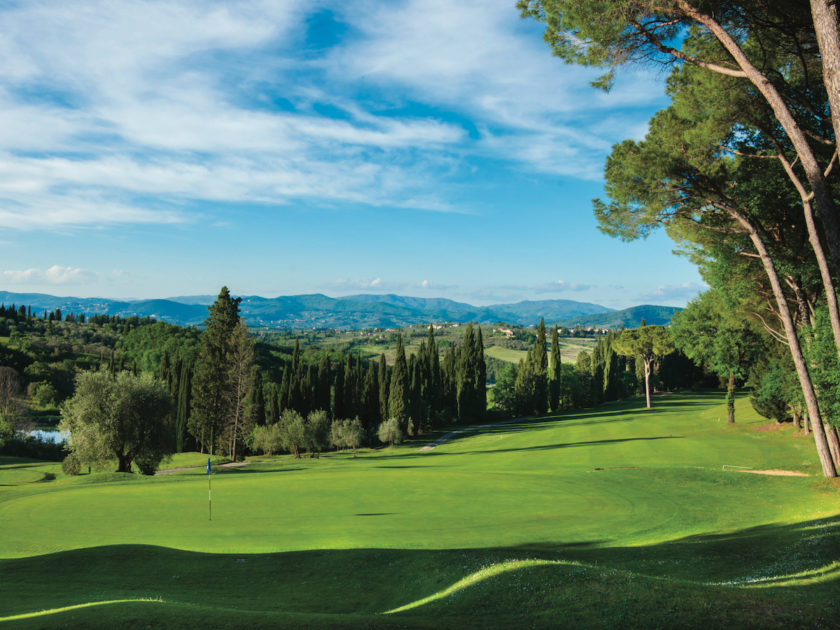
[[609, 517], [569, 351]]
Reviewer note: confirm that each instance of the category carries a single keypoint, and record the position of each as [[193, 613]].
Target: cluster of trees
[[620, 364], [740, 168], [413, 395], [222, 399], [315, 432]]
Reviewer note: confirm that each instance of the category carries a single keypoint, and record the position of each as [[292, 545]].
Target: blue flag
[[208, 465]]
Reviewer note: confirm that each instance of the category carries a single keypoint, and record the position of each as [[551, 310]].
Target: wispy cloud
[[404, 287], [673, 292], [56, 274], [473, 57], [561, 286], [108, 104]]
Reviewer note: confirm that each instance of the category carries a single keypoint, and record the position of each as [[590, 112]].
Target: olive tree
[[120, 417]]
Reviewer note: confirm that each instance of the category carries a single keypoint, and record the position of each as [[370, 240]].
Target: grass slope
[[608, 517]]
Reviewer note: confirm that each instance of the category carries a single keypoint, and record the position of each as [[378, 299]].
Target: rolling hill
[[352, 311]]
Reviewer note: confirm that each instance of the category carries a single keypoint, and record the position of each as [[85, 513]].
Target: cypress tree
[[370, 398], [414, 403], [340, 410], [358, 385], [351, 406], [272, 402], [597, 368], [256, 396], [556, 372], [481, 377], [432, 393], [183, 410], [466, 376], [384, 387], [211, 382], [296, 381], [540, 358], [612, 369], [322, 384], [305, 395], [398, 395], [163, 369], [284, 396], [448, 380]]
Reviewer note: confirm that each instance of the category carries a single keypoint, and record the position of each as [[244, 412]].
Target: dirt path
[[171, 471], [470, 429]]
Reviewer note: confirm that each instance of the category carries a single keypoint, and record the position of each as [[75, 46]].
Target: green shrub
[[390, 432], [71, 465]]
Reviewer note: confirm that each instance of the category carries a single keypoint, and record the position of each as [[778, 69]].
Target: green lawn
[[609, 517]]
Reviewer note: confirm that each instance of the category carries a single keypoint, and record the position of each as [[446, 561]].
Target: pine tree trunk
[[793, 343], [647, 380], [825, 19], [814, 173], [833, 444], [819, 254], [797, 420], [730, 399]]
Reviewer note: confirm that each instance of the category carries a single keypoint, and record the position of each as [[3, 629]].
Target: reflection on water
[[51, 436]]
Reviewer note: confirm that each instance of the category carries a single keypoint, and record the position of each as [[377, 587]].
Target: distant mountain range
[[353, 311]]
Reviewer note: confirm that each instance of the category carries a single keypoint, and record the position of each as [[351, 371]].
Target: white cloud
[[56, 274], [561, 286], [479, 58], [674, 292], [109, 102], [359, 283]]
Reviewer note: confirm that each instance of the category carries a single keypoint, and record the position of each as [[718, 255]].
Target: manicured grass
[[615, 516]]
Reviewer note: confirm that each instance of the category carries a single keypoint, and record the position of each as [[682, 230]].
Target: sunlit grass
[[596, 517]]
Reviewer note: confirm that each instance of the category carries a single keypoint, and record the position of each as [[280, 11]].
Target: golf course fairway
[[609, 517]]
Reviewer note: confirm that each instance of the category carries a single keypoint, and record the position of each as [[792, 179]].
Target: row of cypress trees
[[421, 390], [535, 387]]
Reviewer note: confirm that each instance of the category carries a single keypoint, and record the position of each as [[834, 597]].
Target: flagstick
[[209, 500]]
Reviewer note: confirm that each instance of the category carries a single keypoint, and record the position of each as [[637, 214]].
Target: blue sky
[[428, 147]]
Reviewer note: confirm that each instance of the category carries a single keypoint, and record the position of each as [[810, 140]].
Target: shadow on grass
[[492, 451], [606, 413], [709, 577], [263, 468]]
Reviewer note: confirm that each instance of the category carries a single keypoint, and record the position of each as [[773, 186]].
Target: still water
[[52, 436]]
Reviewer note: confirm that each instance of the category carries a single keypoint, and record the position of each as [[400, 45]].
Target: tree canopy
[[121, 418]]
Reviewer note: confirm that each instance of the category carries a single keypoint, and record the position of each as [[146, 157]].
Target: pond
[[51, 436]]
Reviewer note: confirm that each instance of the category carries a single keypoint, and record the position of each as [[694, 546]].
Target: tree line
[[229, 393]]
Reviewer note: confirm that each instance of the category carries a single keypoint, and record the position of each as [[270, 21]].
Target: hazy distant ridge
[[353, 311]]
